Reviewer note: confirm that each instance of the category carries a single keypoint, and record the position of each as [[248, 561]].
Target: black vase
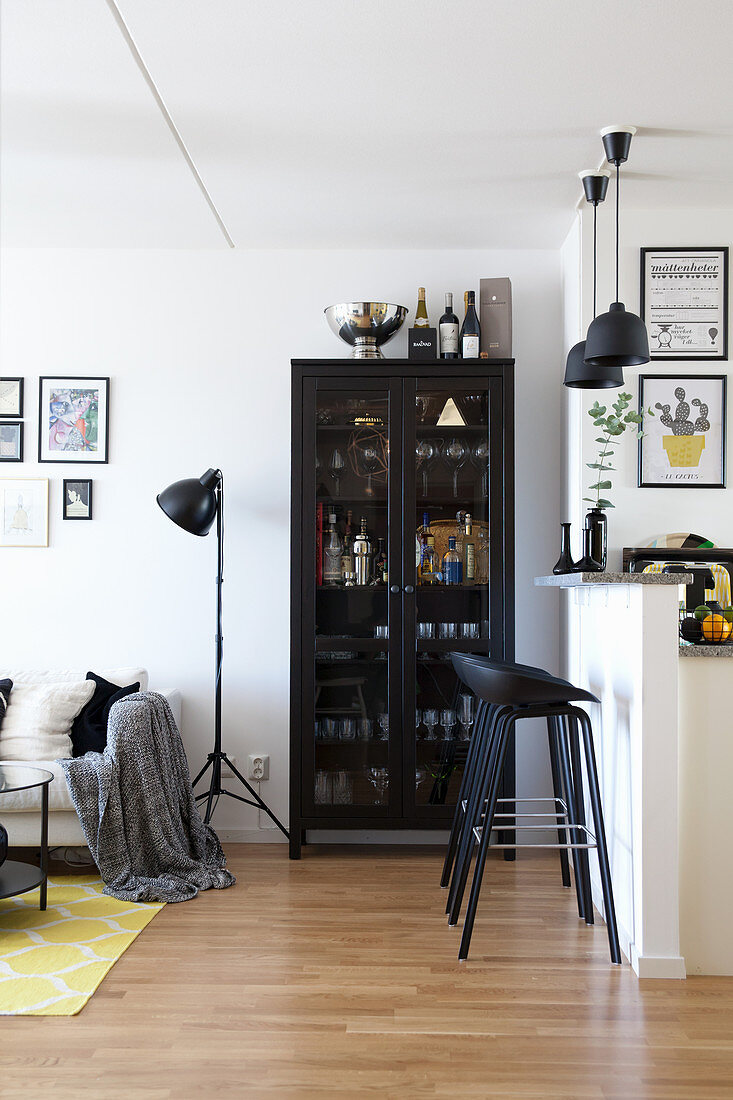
[[587, 563], [597, 523], [564, 563], [3, 845]]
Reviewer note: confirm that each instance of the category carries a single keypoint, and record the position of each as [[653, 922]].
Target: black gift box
[[422, 343]]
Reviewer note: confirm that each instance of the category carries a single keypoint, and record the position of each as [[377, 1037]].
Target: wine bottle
[[421, 313], [347, 557], [448, 330], [452, 565], [471, 331], [381, 575], [332, 554], [469, 554]]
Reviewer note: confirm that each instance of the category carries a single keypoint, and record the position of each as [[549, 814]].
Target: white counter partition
[[625, 630]]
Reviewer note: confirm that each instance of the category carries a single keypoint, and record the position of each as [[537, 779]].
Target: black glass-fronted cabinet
[[402, 551]]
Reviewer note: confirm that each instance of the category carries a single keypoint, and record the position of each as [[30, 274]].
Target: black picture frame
[[643, 402], [19, 412], [75, 382], [88, 483], [20, 426], [694, 357]]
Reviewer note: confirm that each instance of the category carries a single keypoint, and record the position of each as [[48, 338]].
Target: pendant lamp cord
[[618, 184], [595, 220]]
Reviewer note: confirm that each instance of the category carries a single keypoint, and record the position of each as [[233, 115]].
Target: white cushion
[[39, 717], [120, 676], [30, 799]]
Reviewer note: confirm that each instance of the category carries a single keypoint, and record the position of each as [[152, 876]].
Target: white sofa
[[20, 811]]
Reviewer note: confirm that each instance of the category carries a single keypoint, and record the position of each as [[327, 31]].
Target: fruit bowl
[[365, 326]]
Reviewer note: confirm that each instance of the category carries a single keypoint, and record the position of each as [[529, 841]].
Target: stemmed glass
[[425, 452], [480, 459], [448, 721], [418, 723], [455, 454], [379, 779], [336, 465], [370, 459], [383, 727], [430, 721], [466, 711]]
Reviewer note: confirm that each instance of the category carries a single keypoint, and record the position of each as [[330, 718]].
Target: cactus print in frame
[[683, 445]]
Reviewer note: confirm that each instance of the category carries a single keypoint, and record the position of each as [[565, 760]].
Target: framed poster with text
[[683, 443], [684, 302]]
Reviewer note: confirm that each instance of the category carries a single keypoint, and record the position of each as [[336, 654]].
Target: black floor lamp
[[194, 504]]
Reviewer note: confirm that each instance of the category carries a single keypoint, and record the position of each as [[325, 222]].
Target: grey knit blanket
[[137, 809]]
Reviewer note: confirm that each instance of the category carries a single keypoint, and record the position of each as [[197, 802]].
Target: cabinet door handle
[[394, 589], [409, 589]]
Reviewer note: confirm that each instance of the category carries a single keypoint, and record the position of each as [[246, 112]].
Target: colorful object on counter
[[716, 628], [680, 540]]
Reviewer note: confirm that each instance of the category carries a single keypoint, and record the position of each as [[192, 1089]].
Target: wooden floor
[[337, 977]]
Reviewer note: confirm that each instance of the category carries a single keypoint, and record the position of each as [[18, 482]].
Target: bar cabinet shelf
[[380, 723]]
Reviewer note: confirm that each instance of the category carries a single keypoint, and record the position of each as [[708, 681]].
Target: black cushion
[[6, 686], [89, 732]]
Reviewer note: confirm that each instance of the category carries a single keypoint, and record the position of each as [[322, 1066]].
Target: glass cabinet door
[[351, 645], [449, 503]]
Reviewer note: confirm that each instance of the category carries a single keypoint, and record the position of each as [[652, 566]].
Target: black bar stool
[[511, 692]]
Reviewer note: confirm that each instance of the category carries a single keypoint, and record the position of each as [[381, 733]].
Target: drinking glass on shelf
[[425, 454], [336, 466], [379, 779], [381, 632], [329, 729], [323, 789], [480, 459], [421, 775], [455, 454], [448, 722], [383, 720], [418, 723], [426, 630], [447, 630], [366, 729], [466, 712], [430, 721], [469, 630], [347, 730], [343, 791], [369, 457]]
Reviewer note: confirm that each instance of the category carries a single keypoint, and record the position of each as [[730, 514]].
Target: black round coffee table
[[19, 878]]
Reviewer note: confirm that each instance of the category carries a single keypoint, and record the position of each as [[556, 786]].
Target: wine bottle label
[[449, 337], [470, 347]]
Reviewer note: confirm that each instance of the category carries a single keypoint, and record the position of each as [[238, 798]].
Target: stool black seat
[[508, 692]]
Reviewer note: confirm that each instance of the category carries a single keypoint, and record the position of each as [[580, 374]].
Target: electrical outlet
[[258, 766], [226, 771]]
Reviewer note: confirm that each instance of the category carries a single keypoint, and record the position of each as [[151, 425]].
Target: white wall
[[198, 346]]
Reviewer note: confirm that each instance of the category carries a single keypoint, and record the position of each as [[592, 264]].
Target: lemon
[[716, 628]]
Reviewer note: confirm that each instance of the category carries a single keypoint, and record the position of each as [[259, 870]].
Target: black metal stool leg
[[466, 783], [567, 780], [502, 742], [562, 834], [582, 837], [595, 801]]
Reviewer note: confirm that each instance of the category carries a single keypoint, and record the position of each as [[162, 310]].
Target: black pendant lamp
[[617, 339], [580, 375]]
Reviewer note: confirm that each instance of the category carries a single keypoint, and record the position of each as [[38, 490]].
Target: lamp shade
[[617, 339], [580, 375], [192, 502]]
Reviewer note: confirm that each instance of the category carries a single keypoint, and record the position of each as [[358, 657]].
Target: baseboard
[[338, 836], [658, 966]]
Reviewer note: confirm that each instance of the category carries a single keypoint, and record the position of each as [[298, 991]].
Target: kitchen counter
[[574, 580], [706, 650]]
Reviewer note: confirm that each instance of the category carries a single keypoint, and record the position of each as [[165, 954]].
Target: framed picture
[[11, 441], [24, 511], [683, 445], [73, 420], [684, 302], [77, 499], [11, 397]]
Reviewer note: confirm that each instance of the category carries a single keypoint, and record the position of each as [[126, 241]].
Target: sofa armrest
[[173, 697]]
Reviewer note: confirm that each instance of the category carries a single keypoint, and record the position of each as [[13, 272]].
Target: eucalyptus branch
[[613, 426]]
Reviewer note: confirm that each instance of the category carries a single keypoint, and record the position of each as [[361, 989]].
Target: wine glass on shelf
[[383, 720], [480, 459], [455, 454], [418, 723], [336, 466], [466, 713], [379, 779], [370, 459], [430, 721], [425, 453], [448, 722]]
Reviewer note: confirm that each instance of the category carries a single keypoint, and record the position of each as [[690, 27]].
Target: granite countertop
[[706, 650], [573, 580]]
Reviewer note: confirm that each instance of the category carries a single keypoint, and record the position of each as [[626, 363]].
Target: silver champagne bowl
[[365, 326]]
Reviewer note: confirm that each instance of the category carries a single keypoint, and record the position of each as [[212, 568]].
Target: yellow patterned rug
[[52, 962]]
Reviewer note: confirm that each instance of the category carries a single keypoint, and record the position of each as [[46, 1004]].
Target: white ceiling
[[352, 123]]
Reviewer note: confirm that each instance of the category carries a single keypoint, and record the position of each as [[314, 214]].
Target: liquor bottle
[[332, 554], [421, 313], [482, 558], [452, 565], [423, 532], [460, 532], [362, 555], [469, 554], [429, 571], [471, 331], [448, 330], [381, 576], [347, 557]]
